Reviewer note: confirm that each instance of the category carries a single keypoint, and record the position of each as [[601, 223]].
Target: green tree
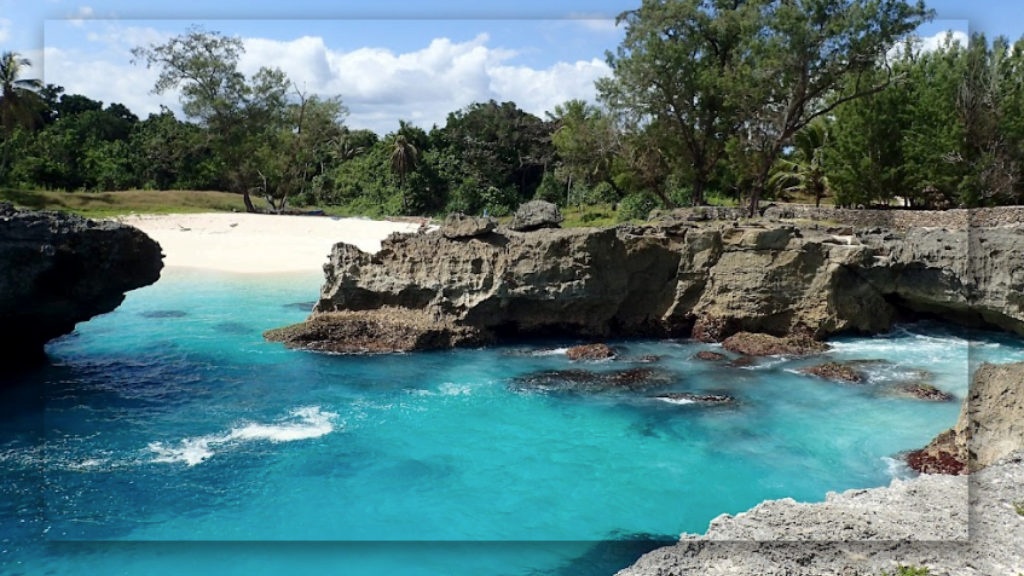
[[20, 103], [803, 54], [804, 170], [243, 116], [587, 140], [675, 67], [403, 161]]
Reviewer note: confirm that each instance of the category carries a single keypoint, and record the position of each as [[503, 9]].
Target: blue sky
[[400, 59]]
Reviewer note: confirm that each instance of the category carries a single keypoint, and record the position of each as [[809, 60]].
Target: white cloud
[[5, 29], [595, 22], [379, 86], [106, 81], [932, 43], [78, 18]]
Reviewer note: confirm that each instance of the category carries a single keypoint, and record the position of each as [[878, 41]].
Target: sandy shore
[[258, 243]]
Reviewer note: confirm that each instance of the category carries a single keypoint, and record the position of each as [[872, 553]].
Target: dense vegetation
[[709, 101]]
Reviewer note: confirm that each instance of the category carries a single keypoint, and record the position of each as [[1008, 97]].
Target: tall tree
[[801, 55], [403, 160], [675, 67], [239, 113], [587, 140], [20, 103]]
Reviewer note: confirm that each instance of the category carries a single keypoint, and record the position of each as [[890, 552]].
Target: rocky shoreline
[[761, 287], [946, 521], [59, 270], [951, 525], [472, 283]]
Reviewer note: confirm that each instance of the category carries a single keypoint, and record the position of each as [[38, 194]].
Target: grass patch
[[1018, 507], [908, 571], [104, 204]]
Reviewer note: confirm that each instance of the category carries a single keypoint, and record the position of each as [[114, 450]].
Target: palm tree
[[804, 171], [403, 159], [19, 103]]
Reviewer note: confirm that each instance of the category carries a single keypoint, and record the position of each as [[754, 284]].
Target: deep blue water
[[168, 427]]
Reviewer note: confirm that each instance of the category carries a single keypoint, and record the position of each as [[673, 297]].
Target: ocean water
[[167, 437]]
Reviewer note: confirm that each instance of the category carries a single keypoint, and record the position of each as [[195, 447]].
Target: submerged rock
[[57, 270], [750, 344], [590, 352], [535, 215], [709, 356], [834, 371], [924, 392], [588, 381], [362, 333], [687, 398]]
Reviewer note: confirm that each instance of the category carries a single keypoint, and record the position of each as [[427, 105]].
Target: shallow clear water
[[171, 420]]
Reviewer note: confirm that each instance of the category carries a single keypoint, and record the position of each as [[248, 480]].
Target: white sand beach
[[259, 243]]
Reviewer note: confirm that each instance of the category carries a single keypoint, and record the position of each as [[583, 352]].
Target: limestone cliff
[[673, 278], [952, 526], [991, 425], [57, 270]]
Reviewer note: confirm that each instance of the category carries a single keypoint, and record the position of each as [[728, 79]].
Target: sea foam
[[306, 423]]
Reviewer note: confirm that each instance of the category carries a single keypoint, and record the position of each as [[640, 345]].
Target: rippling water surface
[[168, 435]]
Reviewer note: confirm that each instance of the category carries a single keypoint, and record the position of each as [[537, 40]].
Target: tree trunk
[[697, 199], [248, 202], [758, 189]]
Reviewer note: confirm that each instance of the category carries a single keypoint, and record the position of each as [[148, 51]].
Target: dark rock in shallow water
[[158, 314], [589, 381], [709, 356], [743, 362], [834, 371], [924, 392], [57, 270], [751, 344], [590, 352], [233, 328], [687, 398]]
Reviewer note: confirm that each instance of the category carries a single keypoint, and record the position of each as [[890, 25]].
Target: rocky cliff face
[[57, 270], [673, 278], [951, 525], [991, 425]]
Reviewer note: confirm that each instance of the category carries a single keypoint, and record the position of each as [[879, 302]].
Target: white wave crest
[[308, 423], [679, 401], [898, 469], [452, 389]]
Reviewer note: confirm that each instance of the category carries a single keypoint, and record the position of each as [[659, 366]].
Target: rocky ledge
[[57, 270], [951, 525], [476, 284]]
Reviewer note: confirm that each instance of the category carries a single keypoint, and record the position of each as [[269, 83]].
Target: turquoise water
[[167, 436]]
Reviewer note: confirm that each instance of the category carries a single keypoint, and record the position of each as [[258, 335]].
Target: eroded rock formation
[[57, 270], [675, 278], [991, 425], [932, 522]]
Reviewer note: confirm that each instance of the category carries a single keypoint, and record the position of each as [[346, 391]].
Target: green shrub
[[636, 207], [1019, 508], [551, 190]]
